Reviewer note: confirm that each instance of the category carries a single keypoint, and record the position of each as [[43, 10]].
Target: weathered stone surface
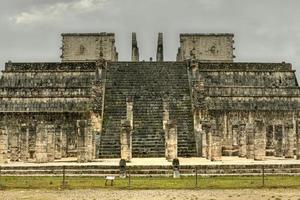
[[206, 47], [260, 140], [126, 140], [242, 140], [134, 49], [84, 143], [290, 140], [171, 140], [298, 140], [41, 155], [3, 144], [250, 141]]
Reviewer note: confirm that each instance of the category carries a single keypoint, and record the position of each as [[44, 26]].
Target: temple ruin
[[90, 105]]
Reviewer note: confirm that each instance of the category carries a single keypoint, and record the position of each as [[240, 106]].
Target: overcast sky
[[265, 30]]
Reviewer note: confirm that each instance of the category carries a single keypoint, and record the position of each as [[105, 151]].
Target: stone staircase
[[146, 83]]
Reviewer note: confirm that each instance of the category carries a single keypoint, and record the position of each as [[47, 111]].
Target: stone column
[[90, 141], [64, 142], [14, 143], [242, 140], [250, 141], [171, 140], [290, 139], [32, 140], [129, 110], [204, 144], [126, 140], [3, 145], [50, 128], [260, 140], [216, 143], [58, 142], [270, 140], [298, 140], [41, 155], [82, 141], [166, 107], [24, 146], [279, 141], [207, 139], [235, 136]]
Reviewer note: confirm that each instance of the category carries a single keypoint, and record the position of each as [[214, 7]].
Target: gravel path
[[89, 194]]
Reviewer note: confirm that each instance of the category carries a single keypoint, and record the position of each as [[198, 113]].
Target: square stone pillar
[[166, 107], [50, 128], [126, 140], [298, 140], [171, 140], [279, 141], [206, 125], [250, 141], [3, 145], [58, 142], [24, 143], [235, 129], [242, 140], [204, 143], [216, 143], [290, 140], [82, 141], [41, 155], [64, 142], [259, 140], [14, 143]]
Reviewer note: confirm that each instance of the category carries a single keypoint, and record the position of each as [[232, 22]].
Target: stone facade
[[92, 106]]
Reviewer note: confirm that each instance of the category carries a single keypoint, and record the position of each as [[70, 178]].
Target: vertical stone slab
[[50, 128], [41, 155], [270, 140], [160, 48], [206, 125], [289, 147], [235, 135], [129, 110], [82, 141], [58, 142], [134, 49], [166, 108], [64, 142], [3, 144], [32, 140], [171, 140], [242, 140], [90, 141], [126, 140], [24, 145], [279, 141], [298, 140], [250, 141], [259, 140], [14, 143], [216, 143]]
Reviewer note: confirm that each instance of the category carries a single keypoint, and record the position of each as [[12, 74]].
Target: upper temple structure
[[204, 104]]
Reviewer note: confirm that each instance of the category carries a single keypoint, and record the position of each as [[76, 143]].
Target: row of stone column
[[43, 142], [250, 139]]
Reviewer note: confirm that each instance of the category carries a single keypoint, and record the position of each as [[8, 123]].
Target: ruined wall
[[237, 95], [87, 47], [206, 47]]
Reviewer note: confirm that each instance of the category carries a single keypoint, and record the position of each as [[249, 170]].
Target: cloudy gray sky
[[265, 30]]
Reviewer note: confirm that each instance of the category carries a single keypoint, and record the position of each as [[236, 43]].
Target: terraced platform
[[156, 167]]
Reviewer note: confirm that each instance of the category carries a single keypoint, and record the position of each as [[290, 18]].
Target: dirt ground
[[93, 194]]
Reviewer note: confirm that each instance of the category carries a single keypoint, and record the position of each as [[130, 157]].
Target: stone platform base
[[156, 167]]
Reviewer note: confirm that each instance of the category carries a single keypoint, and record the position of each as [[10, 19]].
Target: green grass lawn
[[226, 182]]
